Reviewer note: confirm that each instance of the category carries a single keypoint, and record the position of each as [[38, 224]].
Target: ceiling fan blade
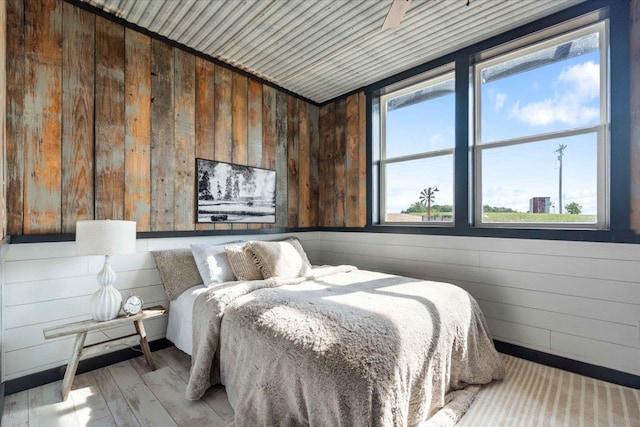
[[396, 13]]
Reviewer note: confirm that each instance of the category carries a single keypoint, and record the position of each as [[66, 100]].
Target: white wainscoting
[[3, 251], [579, 300], [46, 284], [574, 299]]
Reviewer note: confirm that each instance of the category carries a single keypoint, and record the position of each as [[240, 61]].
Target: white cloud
[[500, 98], [435, 140], [583, 80], [579, 85], [506, 197]]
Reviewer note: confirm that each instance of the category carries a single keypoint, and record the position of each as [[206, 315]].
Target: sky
[[560, 96]]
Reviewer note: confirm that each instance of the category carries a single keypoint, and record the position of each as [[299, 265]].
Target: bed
[[339, 346], [180, 325]]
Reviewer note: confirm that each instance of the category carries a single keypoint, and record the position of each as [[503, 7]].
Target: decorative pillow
[[242, 263], [296, 244], [178, 271], [212, 263], [279, 259]]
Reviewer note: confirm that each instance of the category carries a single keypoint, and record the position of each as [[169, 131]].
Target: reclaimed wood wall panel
[[205, 123], [162, 134], [293, 151], [254, 131], [329, 172], [137, 131], [269, 133], [223, 121], [269, 127], [109, 120], [3, 129], [342, 163], [42, 118], [78, 51], [323, 117], [205, 101], [15, 115], [105, 122], [239, 139], [339, 155], [281, 160], [352, 180], [326, 199], [184, 143], [361, 206], [304, 167], [314, 136]]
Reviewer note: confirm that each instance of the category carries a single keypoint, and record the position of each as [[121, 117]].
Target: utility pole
[[560, 151]]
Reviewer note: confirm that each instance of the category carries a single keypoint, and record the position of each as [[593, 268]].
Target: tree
[[442, 208], [219, 190], [236, 188], [228, 188], [204, 187], [573, 208], [487, 208], [417, 207]]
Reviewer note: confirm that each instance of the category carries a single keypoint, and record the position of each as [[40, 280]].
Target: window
[[541, 132], [526, 134], [417, 152]]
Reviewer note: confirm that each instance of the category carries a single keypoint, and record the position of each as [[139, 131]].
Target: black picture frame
[[233, 193]]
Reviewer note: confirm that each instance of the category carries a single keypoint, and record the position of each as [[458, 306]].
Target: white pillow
[[212, 264]]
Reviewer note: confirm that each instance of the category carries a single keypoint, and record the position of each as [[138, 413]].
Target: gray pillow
[[242, 263], [178, 271], [284, 259]]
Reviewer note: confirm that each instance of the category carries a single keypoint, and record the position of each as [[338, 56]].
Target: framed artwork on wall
[[228, 192]]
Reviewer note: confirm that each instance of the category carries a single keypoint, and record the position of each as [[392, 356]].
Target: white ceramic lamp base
[[106, 301]]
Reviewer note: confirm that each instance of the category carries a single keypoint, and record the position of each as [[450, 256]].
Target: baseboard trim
[[1, 399], [55, 374], [570, 365], [582, 368]]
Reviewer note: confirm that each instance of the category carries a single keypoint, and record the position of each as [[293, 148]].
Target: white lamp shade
[[105, 237]]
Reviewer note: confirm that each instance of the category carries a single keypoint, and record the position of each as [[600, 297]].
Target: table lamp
[[105, 237]]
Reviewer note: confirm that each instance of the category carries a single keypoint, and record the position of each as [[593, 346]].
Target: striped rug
[[537, 395]]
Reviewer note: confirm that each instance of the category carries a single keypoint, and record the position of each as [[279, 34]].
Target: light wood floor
[[124, 394], [129, 394]]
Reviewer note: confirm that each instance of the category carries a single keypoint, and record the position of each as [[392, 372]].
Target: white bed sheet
[[180, 327]]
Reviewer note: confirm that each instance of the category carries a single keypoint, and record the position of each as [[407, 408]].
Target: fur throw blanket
[[343, 347]]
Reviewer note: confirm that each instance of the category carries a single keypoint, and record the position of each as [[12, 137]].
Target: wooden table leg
[[73, 364], [144, 345]]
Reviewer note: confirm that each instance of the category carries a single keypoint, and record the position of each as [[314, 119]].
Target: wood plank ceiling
[[322, 49]]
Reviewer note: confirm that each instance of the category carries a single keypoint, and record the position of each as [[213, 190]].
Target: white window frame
[[435, 77], [601, 129]]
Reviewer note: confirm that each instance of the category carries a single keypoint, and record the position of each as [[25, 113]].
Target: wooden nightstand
[[80, 329]]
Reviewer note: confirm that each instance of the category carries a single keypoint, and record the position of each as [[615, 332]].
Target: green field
[[504, 217], [537, 217]]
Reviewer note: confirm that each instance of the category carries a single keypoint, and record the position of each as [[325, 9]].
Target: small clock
[[132, 305]]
